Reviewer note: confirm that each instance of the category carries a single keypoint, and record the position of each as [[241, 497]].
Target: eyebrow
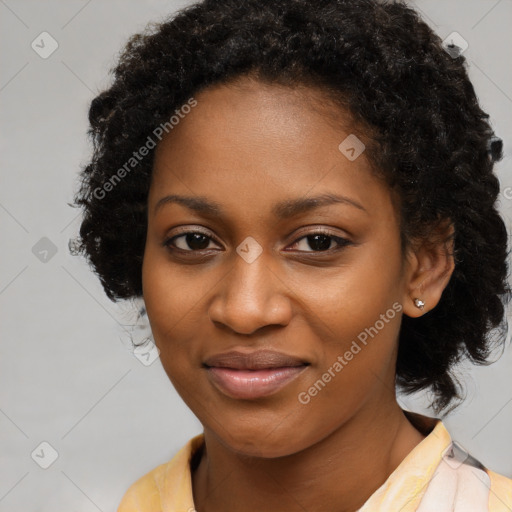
[[282, 210]]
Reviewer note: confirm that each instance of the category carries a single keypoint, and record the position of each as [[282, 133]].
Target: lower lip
[[251, 384]]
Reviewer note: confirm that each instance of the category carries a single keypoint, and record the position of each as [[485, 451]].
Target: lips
[[251, 375], [260, 360]]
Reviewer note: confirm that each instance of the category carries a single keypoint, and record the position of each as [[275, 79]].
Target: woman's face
[[293, 247]]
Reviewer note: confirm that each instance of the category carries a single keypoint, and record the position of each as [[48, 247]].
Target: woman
[[303, 194]]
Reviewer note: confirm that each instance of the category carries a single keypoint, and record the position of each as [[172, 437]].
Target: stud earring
[[419, 303]]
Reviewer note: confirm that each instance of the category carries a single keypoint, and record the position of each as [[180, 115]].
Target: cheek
[[351, 298], [172, 293], [169, 304], [357, 312]]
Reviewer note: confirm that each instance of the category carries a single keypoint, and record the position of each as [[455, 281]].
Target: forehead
[[268, 102], [249, 138], [249, 118]]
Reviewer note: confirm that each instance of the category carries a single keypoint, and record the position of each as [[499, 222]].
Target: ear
[[430, 264]]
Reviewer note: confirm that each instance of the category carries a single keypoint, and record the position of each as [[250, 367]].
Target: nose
[[249, 297]]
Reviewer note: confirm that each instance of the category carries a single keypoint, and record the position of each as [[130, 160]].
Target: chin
[[264, 442]]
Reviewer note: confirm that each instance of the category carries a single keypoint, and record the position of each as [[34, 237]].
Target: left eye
[[320, 242]]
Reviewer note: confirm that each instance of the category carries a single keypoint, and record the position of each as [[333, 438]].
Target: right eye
[[191, 241]]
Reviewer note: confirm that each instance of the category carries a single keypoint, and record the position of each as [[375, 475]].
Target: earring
[[419, 303]]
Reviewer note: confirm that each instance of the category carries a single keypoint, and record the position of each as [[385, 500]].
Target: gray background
[[67, 372]]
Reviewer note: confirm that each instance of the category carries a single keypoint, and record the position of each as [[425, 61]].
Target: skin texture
[[248, 147]]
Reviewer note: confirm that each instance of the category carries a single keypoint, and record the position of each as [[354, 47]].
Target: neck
[[337, 474]]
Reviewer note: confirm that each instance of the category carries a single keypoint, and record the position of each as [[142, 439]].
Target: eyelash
[[342, 242]]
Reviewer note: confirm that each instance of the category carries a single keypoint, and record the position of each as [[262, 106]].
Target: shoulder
[[144, 494], [500, 496], [167, 485], [468, 484], [446, 473]]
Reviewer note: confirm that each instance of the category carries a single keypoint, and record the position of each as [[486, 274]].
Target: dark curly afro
[[430, 141]]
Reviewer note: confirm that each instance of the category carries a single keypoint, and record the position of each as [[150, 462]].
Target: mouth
[[253, 375]]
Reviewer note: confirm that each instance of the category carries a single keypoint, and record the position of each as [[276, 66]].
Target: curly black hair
[[429, 139]]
